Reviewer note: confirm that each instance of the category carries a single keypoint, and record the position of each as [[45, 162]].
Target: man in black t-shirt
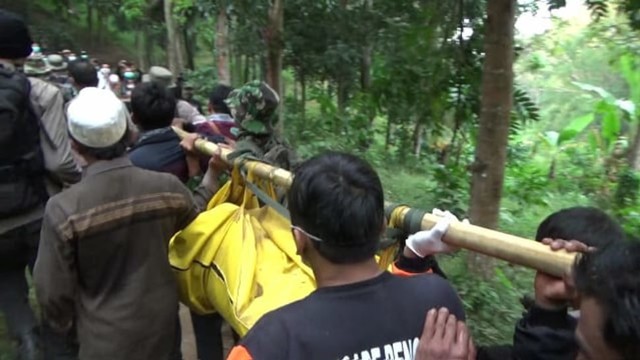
[[358, 311]]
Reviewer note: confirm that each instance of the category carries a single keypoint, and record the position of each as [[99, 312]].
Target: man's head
[[217, 104], [337, 209], [97, 123], [608, 285], [83, 74], [589, 225], [153, 106], [254, 108], [15, 39]]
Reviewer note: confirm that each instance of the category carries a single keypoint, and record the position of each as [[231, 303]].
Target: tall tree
[[174, 46], [222, 44], [493, 133], [275, 45]]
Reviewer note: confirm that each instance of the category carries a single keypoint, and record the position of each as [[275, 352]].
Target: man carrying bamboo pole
[[606, 285], [102, 263], [359, 311]]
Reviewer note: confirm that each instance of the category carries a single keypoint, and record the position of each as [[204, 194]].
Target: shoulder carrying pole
[[488, 242]]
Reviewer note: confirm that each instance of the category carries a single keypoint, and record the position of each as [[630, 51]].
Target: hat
[[56, 62], [36, 65], [97, 118], [253, 107], [15, 40], [161, 75]]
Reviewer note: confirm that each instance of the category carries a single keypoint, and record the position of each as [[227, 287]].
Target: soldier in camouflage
[[254, 109]]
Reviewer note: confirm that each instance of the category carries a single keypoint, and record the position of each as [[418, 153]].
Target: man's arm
[[54, 275], [546, 331], [56, 146], [189, 113]]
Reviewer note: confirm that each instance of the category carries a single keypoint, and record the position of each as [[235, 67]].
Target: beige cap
[[161, 75], [97, 118]]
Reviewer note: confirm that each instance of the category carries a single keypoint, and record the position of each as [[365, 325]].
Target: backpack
[[22, 170]]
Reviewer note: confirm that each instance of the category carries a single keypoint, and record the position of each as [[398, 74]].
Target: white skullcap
[[97, 118]]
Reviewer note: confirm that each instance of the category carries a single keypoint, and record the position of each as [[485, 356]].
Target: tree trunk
[[222, 46], [303, 98], [172, 39], [141, 46], [275, 45], [634, 151], [387, 138], [491, 149], [90, 21], [189, 47], [181, 48], [417, 138]]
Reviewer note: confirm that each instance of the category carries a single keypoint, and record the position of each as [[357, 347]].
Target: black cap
[[15, 40]]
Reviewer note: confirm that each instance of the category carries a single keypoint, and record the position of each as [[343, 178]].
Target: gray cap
[[56, 62], [161, 76]]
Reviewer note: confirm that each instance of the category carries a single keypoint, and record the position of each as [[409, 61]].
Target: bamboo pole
[[506, 247]]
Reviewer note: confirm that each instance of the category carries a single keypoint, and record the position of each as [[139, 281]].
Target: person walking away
[[60, 76], [158, 149], [188, 96], [102, 263], [83, 75], [359, 311], [184, 110], [35, 160], [219, 121], [37, 67]]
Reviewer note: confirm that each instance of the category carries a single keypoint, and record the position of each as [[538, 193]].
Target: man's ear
[[302, 241], [210, 108]]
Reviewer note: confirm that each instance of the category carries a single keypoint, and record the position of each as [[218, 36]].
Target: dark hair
[[83, 73], [338, 198], [153, 106], [610, 276], [109, 153], [217, 98], [588, 225]]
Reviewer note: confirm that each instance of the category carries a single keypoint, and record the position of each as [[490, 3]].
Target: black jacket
[[545, 334]]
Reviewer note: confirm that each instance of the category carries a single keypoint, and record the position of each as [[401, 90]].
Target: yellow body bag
[[239, 258]]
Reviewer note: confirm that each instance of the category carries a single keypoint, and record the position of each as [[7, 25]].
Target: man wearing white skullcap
[[102, 263]]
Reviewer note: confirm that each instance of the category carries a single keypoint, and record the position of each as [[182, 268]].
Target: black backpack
[[22, 170]]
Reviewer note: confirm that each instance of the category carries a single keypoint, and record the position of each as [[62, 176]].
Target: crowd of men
[[92, 188]]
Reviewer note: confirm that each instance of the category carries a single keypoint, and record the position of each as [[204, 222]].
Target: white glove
[[429, 242]]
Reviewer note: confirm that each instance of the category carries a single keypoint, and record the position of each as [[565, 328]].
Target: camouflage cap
[[36, 65], [254, 107]]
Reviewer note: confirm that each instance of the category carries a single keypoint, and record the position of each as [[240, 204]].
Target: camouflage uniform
[[254, 109]]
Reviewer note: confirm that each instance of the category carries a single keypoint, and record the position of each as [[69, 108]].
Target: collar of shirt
[[145, 135], [107, 165], [220, 117]]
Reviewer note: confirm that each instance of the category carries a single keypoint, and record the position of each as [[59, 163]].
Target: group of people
[[93, 188], [55, 67]]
